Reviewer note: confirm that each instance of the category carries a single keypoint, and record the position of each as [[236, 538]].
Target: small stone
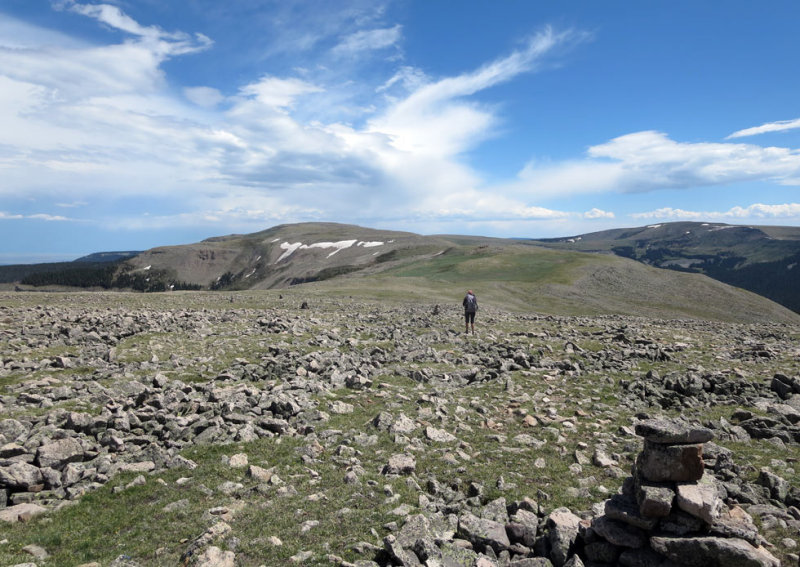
[[401, 464], [21, 513], [439, 435], [36, 551], [308, 525], [238, 461], [215, 557]]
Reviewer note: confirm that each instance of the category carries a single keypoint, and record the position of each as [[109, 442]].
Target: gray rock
[[712, 552], [523, 527], [619, 533], [483, 532], [677, 463], [654, 499], [623, 508], [672, 432], [401, 464], [58, 453], [700, 499], [439, 435], [401, 556], [644, 557], [777, 486], [21, 513], [562, 527], [36, 551], [20, 476]]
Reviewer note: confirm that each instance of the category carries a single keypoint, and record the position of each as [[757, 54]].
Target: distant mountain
[[337, 259], [762, 259], [100, 257]]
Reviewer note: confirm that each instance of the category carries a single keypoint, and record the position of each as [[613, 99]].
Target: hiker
[[470, 304]]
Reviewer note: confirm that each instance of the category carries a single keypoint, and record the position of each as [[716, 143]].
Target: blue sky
[[136, 123]]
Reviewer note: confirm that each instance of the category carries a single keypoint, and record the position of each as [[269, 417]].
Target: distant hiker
[[470, 304]]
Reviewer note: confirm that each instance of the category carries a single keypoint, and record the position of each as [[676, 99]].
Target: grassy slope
[[528, 278]]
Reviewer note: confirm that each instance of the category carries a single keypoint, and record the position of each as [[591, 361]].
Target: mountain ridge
[[524, 275], [761, 259]]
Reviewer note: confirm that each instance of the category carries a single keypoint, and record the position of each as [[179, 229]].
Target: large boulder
[[712, 552], [20, 476], [59, 453]]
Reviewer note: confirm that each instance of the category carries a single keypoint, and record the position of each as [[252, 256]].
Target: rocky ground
[[268, 429]]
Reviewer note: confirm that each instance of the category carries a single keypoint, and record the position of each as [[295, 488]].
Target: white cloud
[[779, 126], [596, 213], [278, 93], [254, 158], [755, 211], [204, 96], [649, 160], [368, 40]]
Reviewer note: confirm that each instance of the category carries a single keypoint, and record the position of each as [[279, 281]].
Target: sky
[[131, 124]]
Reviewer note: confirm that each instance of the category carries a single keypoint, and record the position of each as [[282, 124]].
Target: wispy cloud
[[37, 216], [779, 126], [167, 43], [368, 40], [755, 211]]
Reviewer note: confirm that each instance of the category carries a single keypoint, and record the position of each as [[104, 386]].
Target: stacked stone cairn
[[670, 513]]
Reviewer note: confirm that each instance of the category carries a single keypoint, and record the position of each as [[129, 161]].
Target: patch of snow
[[391, 241], [251, 273], [146, 268], [791, 266], [369, 244], [688, 232], [704, 224], [274, 240], [341, 245], [654, 226], [289, 250], [257, 259]]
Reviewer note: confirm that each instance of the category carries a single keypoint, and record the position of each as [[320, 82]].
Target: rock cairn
[[670, 511]]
